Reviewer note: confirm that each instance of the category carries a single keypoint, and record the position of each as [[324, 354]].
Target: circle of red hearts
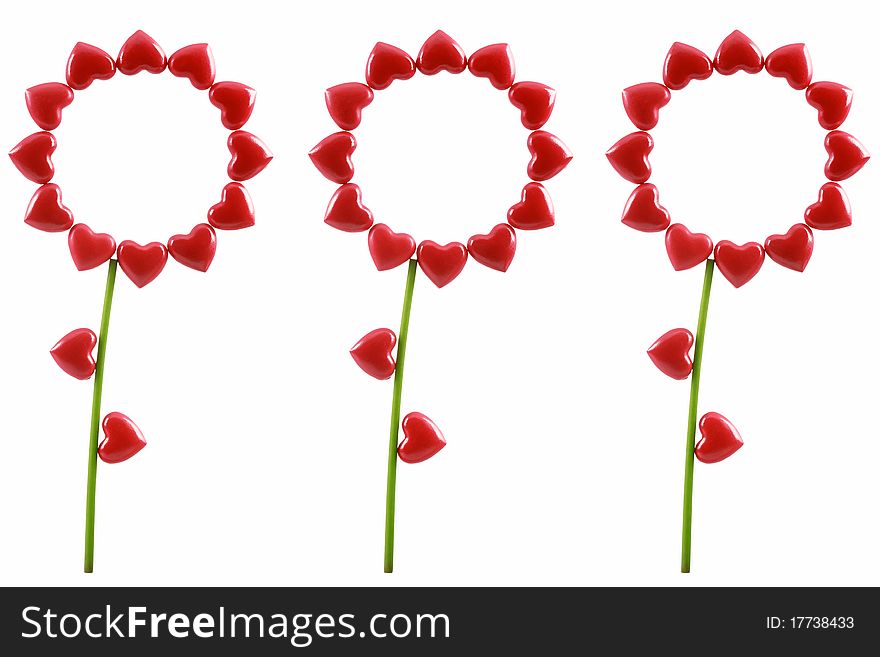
[[141, 263], [738, 263], [441, 263]]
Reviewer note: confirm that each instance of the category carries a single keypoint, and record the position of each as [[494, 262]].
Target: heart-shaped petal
[[629, 157], [793, 63], [671, 353], [846, 155], [831, 211], [195, 63], [686, 249], [441, 53], [389, 249], [196, 249], [88, 248], [534, 211], [549, 155], [720, 438], [495, 63], [86, 64], [142, 264], [386, 64], [47, 212], [685, 63], [643, 210], [792, 250], [643, 102], [422, 439], [73, 353], [494, 250], [46, 101], [372, 353], [140, 52], [442, 264], [122, 438], [346, 101], [738, 53], [32, 156], [739, 264], [346, 211], [833, 101], [249, 155], [235, 102], [332, 157], [534, 101], [235, 209]]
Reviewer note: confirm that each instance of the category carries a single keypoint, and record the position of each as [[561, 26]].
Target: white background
[[267, 446]]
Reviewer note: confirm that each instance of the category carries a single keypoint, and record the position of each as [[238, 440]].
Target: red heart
[[792, 250], [831, 211], [686, 249], [122, 438], [32, 156], [140, 52], [629, 157], [534, 211], [142, 263], [833, 102], [46, 212], [345, 102], [196, 249], [46, 101], [442, 263], [793, 63], [196, 63], [332, 157], [441, 53], [346, 212], [389, 249], [249, 155], [642, 103], [494, 250], [739, 264], [495, 63], [671, 353], [643, 210], [549, 155], [534, 101], [88, 248], [73, 353], [422, 439], [720, 438], [372, 353], [388, 63], [235, 102], [88, 63], [738, 53], [685, 63], [846, 155], [235, 209]]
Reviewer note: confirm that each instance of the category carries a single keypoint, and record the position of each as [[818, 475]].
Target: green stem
[[391, 485], [687, 509], [89, 560]]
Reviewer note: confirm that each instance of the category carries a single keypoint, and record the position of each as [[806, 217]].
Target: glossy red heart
[[494, 250], [671, 353], [235, 102], [46, 101], [720, 438], [792, 250], [833, 102], [249, 155], [686, 249], [32, 156], [86, 64], [140, 52], [685, 63], [442, 264], [332, 157], [386, 64], [196, 249], [643, 102], [372, 353], [495, 63], [47, 212], [389, 249], [793, 63], [441, 53], [195, 63], [629, 157], [831, 211], [346, 211], [534, 211], [549, 155], [88, 248], [846, 155], [422, 439], [739, 264], [346, 101], [73, 353], [738, 53], [235, 209], [534, 101], [643, 210], [122, 438], [142, 264]]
